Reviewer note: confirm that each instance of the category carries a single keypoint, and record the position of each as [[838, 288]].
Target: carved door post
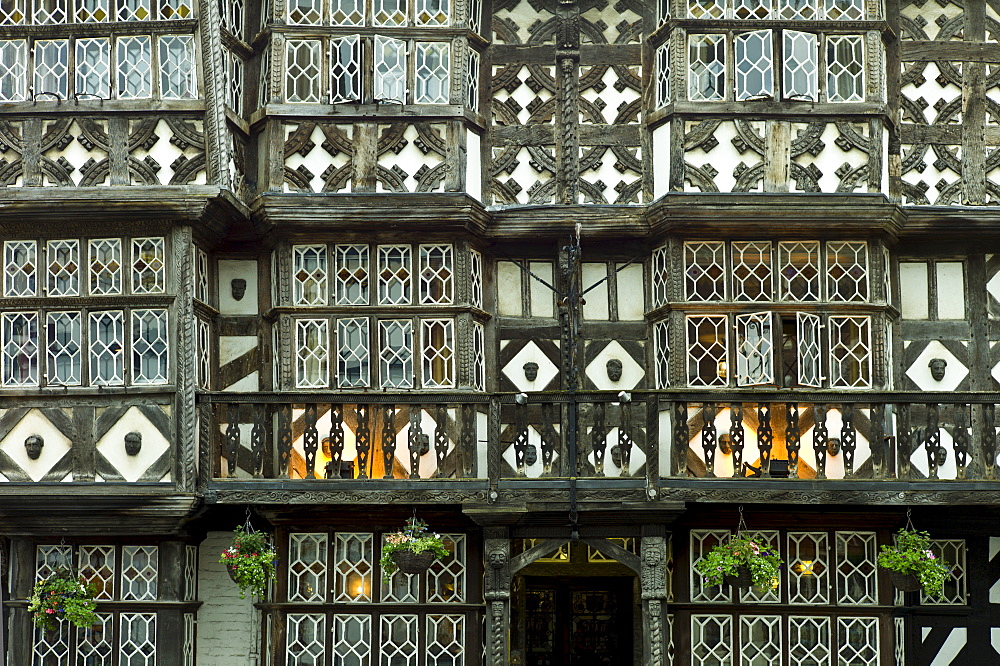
[[498, 575], [653, 582]]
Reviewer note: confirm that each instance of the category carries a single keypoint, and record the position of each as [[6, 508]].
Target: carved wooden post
[[653, 582], [498, 578], [708, 437]]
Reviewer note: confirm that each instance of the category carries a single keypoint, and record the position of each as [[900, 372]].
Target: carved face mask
[[33, 445], [239, 287], [531, 371], [614, 370], [937, 366], [133, 443]]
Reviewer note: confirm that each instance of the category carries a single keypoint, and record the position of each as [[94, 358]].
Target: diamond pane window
[[807, 333], [92, 11], [751, 9], [446, 578], [13, 12], [352, 274], [432, 12], [808, 640], [476, 278], [133, 10], [345, 69], [438, 353], [798, 271], [663, 75], [798, 9], [264, 85], [446, 640], [148, 266], [309, 270], [850, 352], [105, 261], [353, 554], [754, 73], [201, 275], [767, 594], [177, 69], [707, 350], [64, 348], [134, 67], [93, 644], [401, 587], [472, 80], [856, 570], [396, 353], [858, 641], [394, 274], [233, 19], [19, 337], [437, 276], [347, 12], [808, 568], [107, 340], [661, 353], [204, 351], [187, 650], [93, 66], [752, 271], [845, 68], [50, 558], [13, 65], [176, 9], [303, 58], [97, 566], [754, 349], [307, 553], [352, 639], [389, 12], [390, 69], [52, 647], [951, 551], [706, 9], [712, 640], [760, 640], [399, 640], [476, 16], [704, 271], [312, 348], [139, 573], [305, 12], [707, 67], [478, 356], [306, 639], [20, 268], [63, 259], [703, 541], [50, 11], [845, 10], [149, 346], [234, 80], [353, 353], [661, 275], [137, 640], [800, 77], [51, 69]]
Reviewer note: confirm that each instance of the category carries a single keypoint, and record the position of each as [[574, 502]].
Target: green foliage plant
[[743, 550], [911, 554], [62, 596], [415, 538], [251, 561]]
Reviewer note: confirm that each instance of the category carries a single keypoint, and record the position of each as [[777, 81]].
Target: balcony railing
[[652, 435]]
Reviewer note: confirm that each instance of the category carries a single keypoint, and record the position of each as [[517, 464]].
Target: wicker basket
[[742, 579], [413, 563], [231, 570], [905, 582]]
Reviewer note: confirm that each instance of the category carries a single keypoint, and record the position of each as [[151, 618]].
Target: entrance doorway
[[578, 621]]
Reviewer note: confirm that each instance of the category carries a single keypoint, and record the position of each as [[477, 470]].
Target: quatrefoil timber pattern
[[87, 151]]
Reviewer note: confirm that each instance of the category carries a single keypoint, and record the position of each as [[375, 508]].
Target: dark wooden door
[[579, 622]]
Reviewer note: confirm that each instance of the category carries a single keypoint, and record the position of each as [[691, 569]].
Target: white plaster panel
[[482, 423], [946, 471], [164, 152], [317, 160], [723, 157], [610, 95], [514, 370], [931, 15], [637, 457], [661, 160], [834, 464], [631, 302], [665, 419], [606, 172], [230, 269], [931, 91], [235, 624], [428, 461], [913, 289], [957, 638], [474, 165], [56, 445], [232, 347], [609, 18], [509, 299], [534, 439], [831, 157], [246, 384], [112, 445], [523, 15], [541, 296], [950, 290], [77, 155], [920, 373], [410, 159], [523, 94], [632, 372], [523, 173], [596, 305]]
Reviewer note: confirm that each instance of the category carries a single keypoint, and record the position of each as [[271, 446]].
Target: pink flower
[[50, 610]]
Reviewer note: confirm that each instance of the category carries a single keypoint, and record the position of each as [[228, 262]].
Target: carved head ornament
[[239, 287], [937, 366], [133, 443], [33, 445], [530, 371], [614, 367]]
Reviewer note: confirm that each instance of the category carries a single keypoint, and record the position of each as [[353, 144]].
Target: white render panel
[[661, 160], [474, 165], [230, 270], [913, 290], [245, 384], [154, 445], [55, 447], [631, 301], [596, 305], [509, 289], [541, 296], [232, 347], [950, 290], [234, 622]]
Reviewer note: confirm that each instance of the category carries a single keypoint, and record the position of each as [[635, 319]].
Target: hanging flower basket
[[742, 579], [913, 564], [411, 551], [250, 561], [62, 596], [743, 561]]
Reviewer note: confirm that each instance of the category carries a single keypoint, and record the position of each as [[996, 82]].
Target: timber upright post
[[496, 556], [653, 583]]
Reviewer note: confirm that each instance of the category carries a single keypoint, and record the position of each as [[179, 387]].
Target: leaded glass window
[[754, 349], [105, 264], [64, 347], [140, 565], [394, 276], [437, 274], [91, 11], [760, 640], [798, 271], [51, 69], [396, 353], [13, 12], [705, 271], [352, 639], [706, 67], [303, 64], [707, 350], [478, 356], [50, 11], [438, 353], [751, 263], [138, 639], [857, 641], [808, 568], [13, 65], [134, 62], [798, 9], [847, 271], [63, 264], [845, 68], [807, 331], [432, 12], [754, 71], [476, 278], [309, 270], [446, 640], [354, 557], [20, 268], [107, 341], [856, 570], [472, 80], [706, 9], [399, 640], [307, 554], [848, 10], [204, 344], [390, 69], [389, 12], [306, 639], [201, 275], [305, 12], [93, 644], [800, 79], [432, 67], [661, 353], [93, 64], [176, 9], [663, 75], [348, 12], [345, 69], [446, 578], [352, 274], [809, 640], [234, 80], [353, 353], [150, 340], [177, 67], [312, 346], [97, 567], [712, 640], [703, 541], [20, 348], [850, 352], [751, 9], [148, 266], [951, 551], [133, 10]]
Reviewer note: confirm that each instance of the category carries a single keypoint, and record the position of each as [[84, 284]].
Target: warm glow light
[[359, 591], [804, 568], [722, 369]]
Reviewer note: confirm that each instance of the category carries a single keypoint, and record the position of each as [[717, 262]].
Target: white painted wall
[[228, 627], [913, 289], [230, 270]]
